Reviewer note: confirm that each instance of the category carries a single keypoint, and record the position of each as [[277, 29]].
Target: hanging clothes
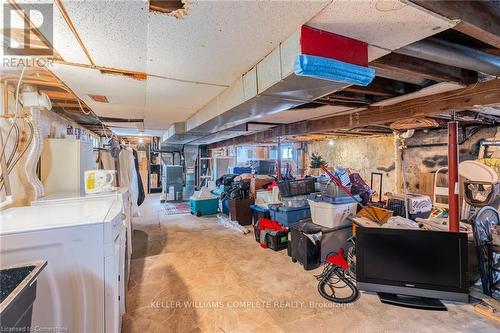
[[140, 186], [128, 177], [108, 162]]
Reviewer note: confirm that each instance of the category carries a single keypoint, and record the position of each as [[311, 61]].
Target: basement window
[[166, 6], [287, 153]]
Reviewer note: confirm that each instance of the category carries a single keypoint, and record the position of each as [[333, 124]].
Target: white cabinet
[[63, 164]]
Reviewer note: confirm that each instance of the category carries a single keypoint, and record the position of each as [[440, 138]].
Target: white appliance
[[63, 164], [79, 291], [121, 194]]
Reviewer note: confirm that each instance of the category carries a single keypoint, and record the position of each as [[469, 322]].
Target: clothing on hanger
[[141, 195], [128, 177], [108, 162]]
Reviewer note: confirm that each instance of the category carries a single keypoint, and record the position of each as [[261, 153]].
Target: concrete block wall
[[380, 154], [363, 155]]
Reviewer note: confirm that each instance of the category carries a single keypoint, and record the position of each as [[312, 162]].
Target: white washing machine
[[121, 194], [82, 242]]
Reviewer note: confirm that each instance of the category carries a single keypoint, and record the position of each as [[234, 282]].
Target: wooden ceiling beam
[[58, 95], [380, 87], [400, 76], [479, 19], [484, 93], [423, 69]]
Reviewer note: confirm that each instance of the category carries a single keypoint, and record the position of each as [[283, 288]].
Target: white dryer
[[120, 194], [79, 291]]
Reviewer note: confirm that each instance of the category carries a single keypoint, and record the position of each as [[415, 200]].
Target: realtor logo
[[28, 29]]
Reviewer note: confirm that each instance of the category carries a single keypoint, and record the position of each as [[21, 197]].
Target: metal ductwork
[[309, 64], [296, 72], [452, 54]]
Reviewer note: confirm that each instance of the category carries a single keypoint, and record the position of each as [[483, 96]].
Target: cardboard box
[[381, 214]]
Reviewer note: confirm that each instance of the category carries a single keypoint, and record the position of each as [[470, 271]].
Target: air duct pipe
[[452, 54]]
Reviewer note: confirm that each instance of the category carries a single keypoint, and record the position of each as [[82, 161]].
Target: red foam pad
[[329, 45]]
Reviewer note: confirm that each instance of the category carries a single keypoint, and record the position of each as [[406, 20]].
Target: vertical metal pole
[[453, 212], [278, 173]]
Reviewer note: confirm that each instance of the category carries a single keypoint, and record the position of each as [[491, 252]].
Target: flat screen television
[[412, 267]]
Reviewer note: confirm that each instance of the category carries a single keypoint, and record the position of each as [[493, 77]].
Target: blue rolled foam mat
[[333, 70]]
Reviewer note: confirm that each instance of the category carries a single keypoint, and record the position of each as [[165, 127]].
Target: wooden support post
[[453, 212]]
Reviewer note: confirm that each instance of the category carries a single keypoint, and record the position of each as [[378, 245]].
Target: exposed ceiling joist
[[58, 95], [379, 87], [423, 69], [480, 19], [485, 93]]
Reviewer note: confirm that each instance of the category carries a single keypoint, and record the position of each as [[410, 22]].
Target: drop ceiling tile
[[136, 131], [388, 24], [165, 116], [114, 32], [117, 88], [173, 101], [65, 42], [117, 110], [62, 40], [217, 41], [126, 96]]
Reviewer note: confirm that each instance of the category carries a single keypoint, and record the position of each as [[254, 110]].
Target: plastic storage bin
[[276, 242], [331, 212], [279, 241], [259, 212], [333, 190], [225, 206], [201, 207], [288, 215], [301, 248], [240, 170], [290, 188], [418, 206], [309, 254], [295, 201]]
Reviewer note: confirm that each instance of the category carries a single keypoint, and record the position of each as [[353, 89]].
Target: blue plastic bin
[[225, 206], [204, 206], [259, 212], [241, 170], [288, 215], [339, 200]]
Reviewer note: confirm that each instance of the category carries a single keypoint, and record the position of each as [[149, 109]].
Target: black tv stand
[[412, 301]]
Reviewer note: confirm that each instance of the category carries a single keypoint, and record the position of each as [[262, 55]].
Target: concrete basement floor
[[192, 275]]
